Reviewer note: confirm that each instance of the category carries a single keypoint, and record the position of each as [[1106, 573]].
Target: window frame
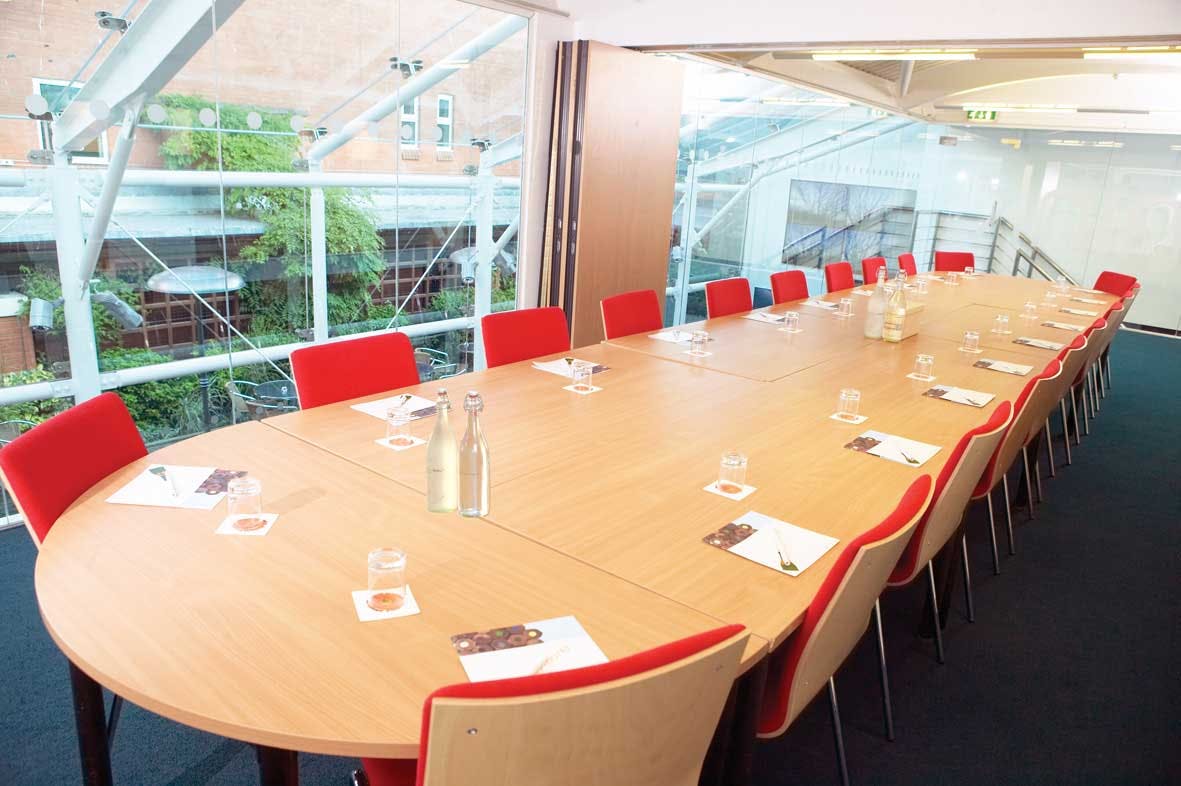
[[413, 118], [43, 138], [449, 121]]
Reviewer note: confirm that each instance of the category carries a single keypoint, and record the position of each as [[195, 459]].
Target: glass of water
[[791, 322], [1001, 325], [387, 579], [924, 367], [882, 276], [732, 472], [920, 286], [1060, 284], [396, 420], [953, 279], [698, 342], [969, 271], [1029, 311], [583, 373], [849, 404], [845, 308], [971, 341], [244, 503]]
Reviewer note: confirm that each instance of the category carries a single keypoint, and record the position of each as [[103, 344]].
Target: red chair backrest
[[838, 276], [340, 370], [954, 260], [512, 336], [870, 267], [630, 313], [52, 464], [906, 262], [839, 614], [1113, 283], [787, 285], [604, 677], [727, 296], [1025, 414]]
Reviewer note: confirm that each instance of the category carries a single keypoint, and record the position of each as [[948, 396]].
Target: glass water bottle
[[442, 461], [474, 479]]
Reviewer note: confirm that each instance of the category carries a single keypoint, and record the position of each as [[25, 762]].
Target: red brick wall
[[16, 345]]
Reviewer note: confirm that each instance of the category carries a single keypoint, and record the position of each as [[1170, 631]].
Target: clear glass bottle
[[875, 312], [442, 461], [895, 316], [475, 483]]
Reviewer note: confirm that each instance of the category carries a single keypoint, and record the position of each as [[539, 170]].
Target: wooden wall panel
[[630, 129]]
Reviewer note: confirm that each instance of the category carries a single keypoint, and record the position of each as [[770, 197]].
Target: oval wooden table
[[256, 638]]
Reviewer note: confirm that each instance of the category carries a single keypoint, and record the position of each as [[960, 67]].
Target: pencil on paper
[[551, 659]]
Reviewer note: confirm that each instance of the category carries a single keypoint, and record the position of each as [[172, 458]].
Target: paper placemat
[[696, 354], [246, 524], [1026, 341], [742, 491], [675, 336], [863, 292], [1064, 326], [821, 304], [419, 407], [583, 390], [971, 398], [530, 648], [1081, 312], [894, 448], [176, 486], [920, 377], [366, 613], [855, 419], [775, 544], [414, 442], [564, 367], [1090, 300], [1089, 291], [1003, 366], [763, 316]]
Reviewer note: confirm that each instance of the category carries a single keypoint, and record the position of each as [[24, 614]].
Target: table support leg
[[91, 724], [277, 767]]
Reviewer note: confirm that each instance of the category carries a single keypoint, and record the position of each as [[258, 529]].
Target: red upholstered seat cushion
[[838, 276], [776, 695], [954, 260], [378, 770], [728, 296], [1114, 283], [630, 313], [906, 565], [870, 267], [340, 370], [787, 285], [906, 262], [512, 336], [52, 464]]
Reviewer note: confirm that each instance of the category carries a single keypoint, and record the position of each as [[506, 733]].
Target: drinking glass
[[902, 278], [387, 579], [1061, 285], [791, 322], [732, 473], [1001, 325], [244, 503], [920, 286], [396, 420], [924, 366], [881, 276], [1029, 311], [953, 279], [849, 403], [583, 376], [845, 308], [1051, 294], [969, 271], [698, 342], [971, 341]]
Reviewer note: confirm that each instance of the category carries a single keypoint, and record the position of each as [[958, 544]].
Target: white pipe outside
[[310, 179]]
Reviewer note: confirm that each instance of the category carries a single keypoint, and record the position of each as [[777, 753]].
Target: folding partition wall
[[613, 155]]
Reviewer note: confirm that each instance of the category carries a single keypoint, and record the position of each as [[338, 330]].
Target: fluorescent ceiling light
[[804, 101], [1151, 54], [1067, 142], [895, 54], [1052, 108]]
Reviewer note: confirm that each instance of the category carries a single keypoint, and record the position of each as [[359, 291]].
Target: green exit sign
[[982, 115]]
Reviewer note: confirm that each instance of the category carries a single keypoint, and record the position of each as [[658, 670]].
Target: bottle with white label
[[875, 312], [474, 480], [442, 461], [895, 316]]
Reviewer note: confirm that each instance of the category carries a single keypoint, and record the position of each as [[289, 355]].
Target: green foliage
[[31, 411], [460, 302], [161, 409], [41, 282]]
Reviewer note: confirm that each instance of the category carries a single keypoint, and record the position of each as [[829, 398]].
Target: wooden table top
[[257, 639], [595, 498]]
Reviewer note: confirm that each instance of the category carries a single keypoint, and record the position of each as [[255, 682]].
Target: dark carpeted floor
[[1068, 675]]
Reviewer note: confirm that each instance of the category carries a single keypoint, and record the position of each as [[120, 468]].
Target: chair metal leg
[[838, 738], [1008, 514], [887, 710], [1028, 480], [1078, 435], [1050, 448], [1065, 430], [113, 718], [1107, 363], [967, 579], [996, 563], [1103, 383], [1094, 371], [935, 611]]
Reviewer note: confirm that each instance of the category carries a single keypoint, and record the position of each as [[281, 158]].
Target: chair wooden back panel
[[1037, 406], [1073, 360], [650, 728]]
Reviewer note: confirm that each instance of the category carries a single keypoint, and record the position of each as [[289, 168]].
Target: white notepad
[[564, 368], [1004, 367], [891, 447], [820, 304], [971, 398], [775, 543], [419, 406], [562, 644], [763, 316], [169, 486], [1037, 342]]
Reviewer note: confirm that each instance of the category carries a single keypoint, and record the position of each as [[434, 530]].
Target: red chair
[[870, 268], [836, 619], [512, 336], [341, 370], [1113, 283], [838, 276], [788, 285], [586, 718], [630, 313], [52, 464], [906, 262], [727, 296], [954, 261]]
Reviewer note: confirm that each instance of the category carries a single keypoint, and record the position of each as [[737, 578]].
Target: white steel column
[[319, 244], [485, 253], [67, 230]]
